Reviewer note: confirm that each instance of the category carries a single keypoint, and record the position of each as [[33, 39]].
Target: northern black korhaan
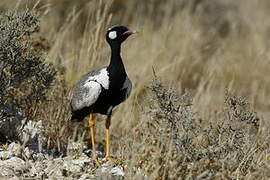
[[99, 91]]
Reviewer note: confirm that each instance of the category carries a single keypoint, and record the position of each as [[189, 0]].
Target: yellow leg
[[108, 123], [107, 144], [92, 134]]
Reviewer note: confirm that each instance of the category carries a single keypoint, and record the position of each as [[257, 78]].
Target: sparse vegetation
[[171, 142], [25, 78], [202, 115]]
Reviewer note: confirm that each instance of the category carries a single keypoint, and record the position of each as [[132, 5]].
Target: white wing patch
[[87, 92], [112, 34], [87, 95], [102, 78], [128, 86]]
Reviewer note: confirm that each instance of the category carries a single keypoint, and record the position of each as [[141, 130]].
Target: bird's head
[[118, 34]]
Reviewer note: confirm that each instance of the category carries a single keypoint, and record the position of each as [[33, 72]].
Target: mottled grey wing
[[85, 95], [87, 91]]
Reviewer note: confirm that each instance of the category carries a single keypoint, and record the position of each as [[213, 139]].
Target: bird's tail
[[78, 116]]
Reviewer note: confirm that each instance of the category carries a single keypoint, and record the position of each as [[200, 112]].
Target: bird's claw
[[97, 162], [109, 158]]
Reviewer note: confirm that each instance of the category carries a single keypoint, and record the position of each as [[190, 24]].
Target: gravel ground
[[28, 162], [17, 162]]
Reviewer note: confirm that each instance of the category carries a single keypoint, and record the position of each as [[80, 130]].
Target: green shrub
[[24, 76]]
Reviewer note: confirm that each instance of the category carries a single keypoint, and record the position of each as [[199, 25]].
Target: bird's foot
[[96, 162], [109, 159]]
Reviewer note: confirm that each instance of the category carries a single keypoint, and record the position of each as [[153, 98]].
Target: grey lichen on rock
[[19, 161]]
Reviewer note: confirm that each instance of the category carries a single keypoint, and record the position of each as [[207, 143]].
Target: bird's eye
[[112, 34]]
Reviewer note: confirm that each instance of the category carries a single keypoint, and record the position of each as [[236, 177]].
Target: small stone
[[75, 149], [88, 152], [15, 164], [14, 148], [77, 165], [87, 177], [6, 172], [117, 171], [4, 155], [37, 168], [71, 167], [53, 168]]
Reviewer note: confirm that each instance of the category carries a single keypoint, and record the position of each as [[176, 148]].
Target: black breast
[[107, 99]]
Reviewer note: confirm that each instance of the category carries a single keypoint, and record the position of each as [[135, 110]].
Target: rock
[[6, 172], [14, 163], [75, 149], [73, 166], [88, 152], [47, 165], [77, 165], [54, 168], [117, 171], [37, 169], [87, 177], [107, 170], [32, 152], [4, 155], [14, 148]]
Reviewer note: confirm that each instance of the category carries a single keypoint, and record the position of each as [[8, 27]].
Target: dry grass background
[[204, 46]]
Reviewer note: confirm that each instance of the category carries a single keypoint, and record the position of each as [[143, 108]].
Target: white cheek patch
[[112, 34]]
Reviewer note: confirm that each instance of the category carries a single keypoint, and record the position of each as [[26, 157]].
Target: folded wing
[[87, 91], [86, 95]]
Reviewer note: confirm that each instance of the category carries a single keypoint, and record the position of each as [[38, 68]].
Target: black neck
[[116, 63], [116, 69]]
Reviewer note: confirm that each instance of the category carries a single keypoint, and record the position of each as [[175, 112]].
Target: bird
[[100, 90]]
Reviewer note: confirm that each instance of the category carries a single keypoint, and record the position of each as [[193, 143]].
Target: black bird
[[99, 91]]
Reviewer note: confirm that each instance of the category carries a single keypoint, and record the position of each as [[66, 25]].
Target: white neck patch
[[112, 34]]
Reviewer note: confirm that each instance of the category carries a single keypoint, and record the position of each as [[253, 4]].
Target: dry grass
[[204, 46]]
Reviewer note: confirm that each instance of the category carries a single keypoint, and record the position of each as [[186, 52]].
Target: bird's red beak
[[129, 32]]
